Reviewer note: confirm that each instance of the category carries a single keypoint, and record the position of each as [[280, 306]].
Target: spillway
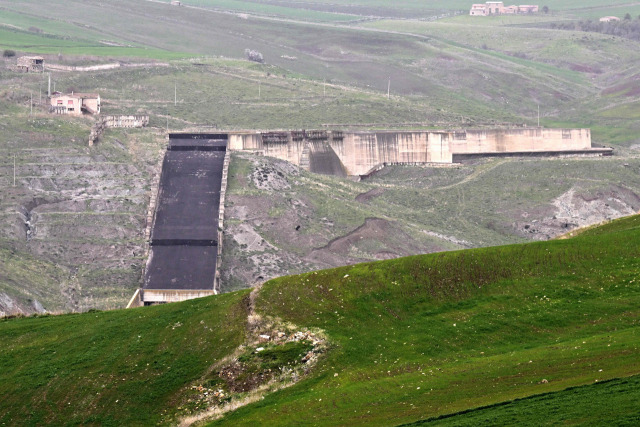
[[184, 236]]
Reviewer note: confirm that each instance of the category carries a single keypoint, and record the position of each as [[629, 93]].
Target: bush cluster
[[254, 55], [627, 27]]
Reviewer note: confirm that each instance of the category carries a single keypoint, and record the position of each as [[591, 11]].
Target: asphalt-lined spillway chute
[[181, 267], [184, 236], [189, 196]]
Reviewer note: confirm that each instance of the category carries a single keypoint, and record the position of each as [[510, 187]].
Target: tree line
[[627, 27]]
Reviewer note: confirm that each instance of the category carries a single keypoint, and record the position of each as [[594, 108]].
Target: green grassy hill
[[404, 340]]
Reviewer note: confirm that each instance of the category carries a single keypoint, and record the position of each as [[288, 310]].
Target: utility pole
[[389, 88]]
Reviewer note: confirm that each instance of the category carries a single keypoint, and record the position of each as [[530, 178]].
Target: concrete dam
[[360, 153], [185, 239], [185, 236]]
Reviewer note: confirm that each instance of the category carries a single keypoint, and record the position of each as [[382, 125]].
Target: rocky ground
[[75, 219], [578, 208], [281, 220]]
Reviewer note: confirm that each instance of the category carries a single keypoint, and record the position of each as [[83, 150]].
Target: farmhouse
[[498, 8], [75, 104], [609, 19], [478, 10], [32, 64]]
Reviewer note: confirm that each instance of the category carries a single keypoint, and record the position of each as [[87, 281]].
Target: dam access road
[[184, 236]]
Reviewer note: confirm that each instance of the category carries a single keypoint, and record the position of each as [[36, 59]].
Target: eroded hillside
[[282, 220], [75, 217]]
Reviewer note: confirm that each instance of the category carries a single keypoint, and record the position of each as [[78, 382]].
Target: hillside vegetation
[[282, 220], [408, 339], [327, 65]]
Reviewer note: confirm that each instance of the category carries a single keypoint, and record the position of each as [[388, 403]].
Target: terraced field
[[75, 217]]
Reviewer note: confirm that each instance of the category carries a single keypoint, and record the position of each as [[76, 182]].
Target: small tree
[[545, 9], [254, 55], [627, 17], [8, 53]]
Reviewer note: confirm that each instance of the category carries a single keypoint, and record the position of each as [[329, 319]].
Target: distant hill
[[389, 342]]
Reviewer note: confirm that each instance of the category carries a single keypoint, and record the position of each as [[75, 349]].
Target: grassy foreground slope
[[112, 368], [410, 339], [429, 335], [573, 406]]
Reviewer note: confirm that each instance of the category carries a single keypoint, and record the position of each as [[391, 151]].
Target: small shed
[[609, 19], [34, 64]]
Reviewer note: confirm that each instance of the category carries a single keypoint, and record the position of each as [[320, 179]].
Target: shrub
[[8, 53], [254, 55]]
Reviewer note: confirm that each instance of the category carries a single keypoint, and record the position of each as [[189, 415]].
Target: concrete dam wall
[[357, 153]]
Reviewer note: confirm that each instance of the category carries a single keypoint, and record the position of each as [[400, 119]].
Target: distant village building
[[33, 64], [478, 10], [609, 19], [498, 8], [75, 104], [176, 3], [495, 7]]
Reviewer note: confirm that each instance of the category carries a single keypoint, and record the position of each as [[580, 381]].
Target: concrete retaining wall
[[223, 192], [172, 295], [136, 121]]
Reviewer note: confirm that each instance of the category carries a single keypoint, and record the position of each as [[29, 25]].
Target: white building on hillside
[[498, 8]]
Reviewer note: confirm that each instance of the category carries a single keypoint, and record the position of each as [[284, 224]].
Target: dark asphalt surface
[[182, 267], [189, 196], [185, 231]]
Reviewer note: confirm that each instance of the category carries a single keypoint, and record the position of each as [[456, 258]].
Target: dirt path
[[476, 174]]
